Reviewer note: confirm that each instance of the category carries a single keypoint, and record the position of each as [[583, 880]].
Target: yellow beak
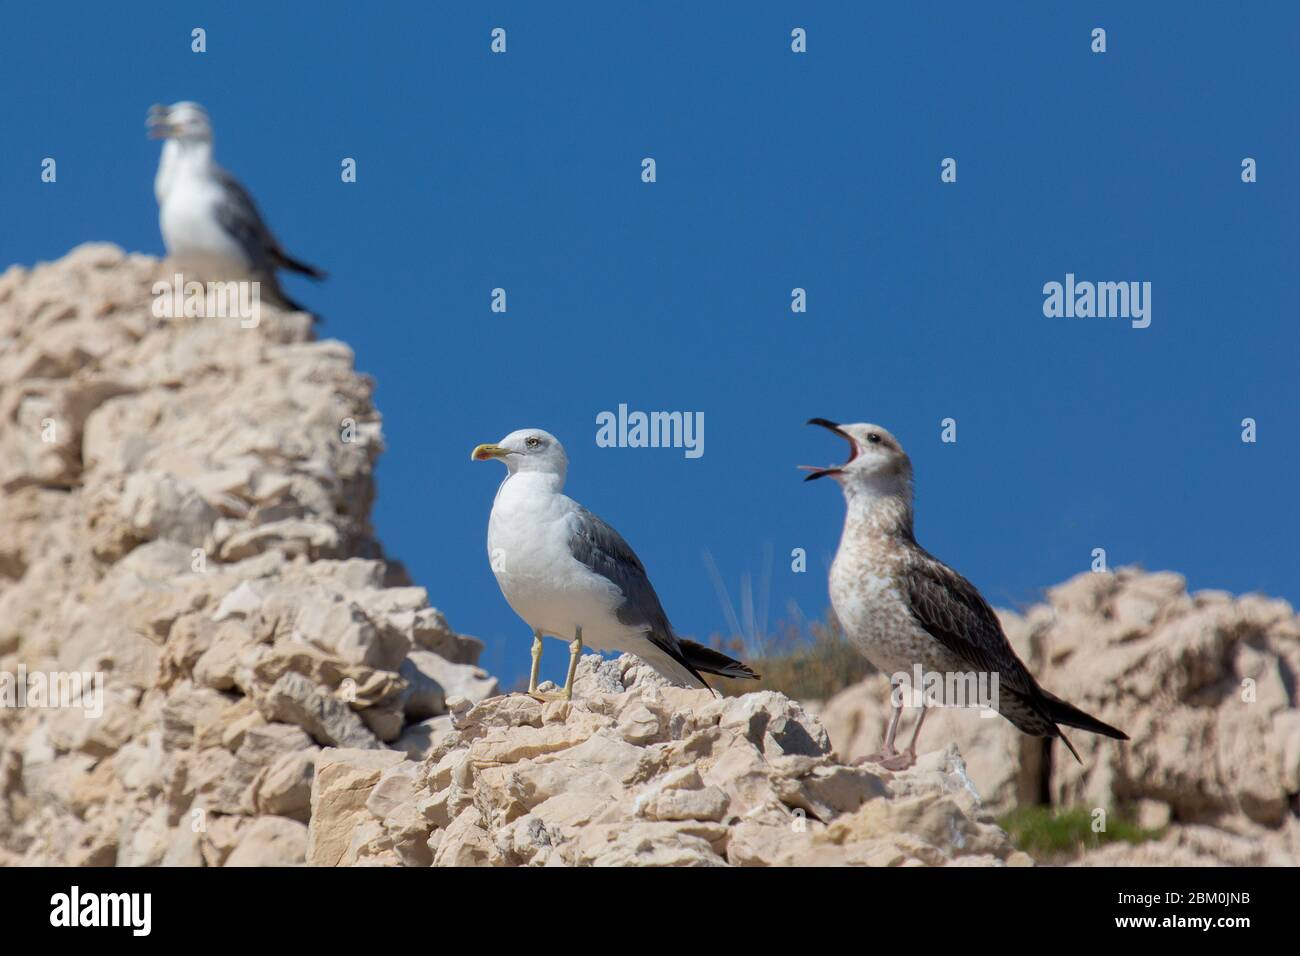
[[487, 452]]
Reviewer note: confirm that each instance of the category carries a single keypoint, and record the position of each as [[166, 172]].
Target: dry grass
[[805, 665]]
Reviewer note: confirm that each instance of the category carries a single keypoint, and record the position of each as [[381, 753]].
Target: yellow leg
[[575, 651], [537, 662]]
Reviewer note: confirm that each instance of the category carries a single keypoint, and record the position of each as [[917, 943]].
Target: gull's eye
[[873, 438], [532, 442]]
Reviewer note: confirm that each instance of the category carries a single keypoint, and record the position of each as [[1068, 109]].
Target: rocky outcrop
[[184, 516], [635, 772], [1204, 684], [184, 512], [185, 529]]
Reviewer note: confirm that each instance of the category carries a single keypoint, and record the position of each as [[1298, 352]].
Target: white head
[[877, 466], [184, 122], [528, 450]]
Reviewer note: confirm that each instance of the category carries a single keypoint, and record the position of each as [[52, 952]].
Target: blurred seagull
[[902, 607], [209, 222], [570, 575]]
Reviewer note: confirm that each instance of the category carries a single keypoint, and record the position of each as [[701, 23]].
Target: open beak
[[159, 128], [488, 452], [817, 472]]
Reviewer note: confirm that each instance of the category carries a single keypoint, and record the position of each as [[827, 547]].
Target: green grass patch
[[1046, 833]]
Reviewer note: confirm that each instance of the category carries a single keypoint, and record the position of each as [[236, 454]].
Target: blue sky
[[775, 171]]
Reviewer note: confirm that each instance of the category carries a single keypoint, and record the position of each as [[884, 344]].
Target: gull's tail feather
[[708, 661], [286, 261], [1061, 712], [1038, 713]]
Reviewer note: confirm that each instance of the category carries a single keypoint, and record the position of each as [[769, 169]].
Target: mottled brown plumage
[[902, 607]]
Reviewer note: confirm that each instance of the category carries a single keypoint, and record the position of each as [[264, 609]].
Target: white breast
[[188, 197], [528, 547], [193, 235]]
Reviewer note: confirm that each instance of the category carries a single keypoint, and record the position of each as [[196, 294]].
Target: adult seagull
[[901, 606], [570, 575], [209, 222]]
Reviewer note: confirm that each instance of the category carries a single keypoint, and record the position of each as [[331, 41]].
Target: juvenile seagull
[[570, 575], [901, 607], [210, 224]]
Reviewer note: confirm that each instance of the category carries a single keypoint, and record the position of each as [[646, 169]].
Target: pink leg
[[908, 757], [887, 751]]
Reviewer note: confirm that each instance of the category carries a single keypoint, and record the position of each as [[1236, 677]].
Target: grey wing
[[603, 550], [238, 215], [952, 611]]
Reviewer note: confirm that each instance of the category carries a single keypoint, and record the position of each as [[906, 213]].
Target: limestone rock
[[635, 772], [295, 699], [433, 679], [271, 841], [285, 788], [179, 515], [157, 504], [343, 782]]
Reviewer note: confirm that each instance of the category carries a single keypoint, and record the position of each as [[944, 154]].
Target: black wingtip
[[286, 261], [1066, 740], [705, 660]]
